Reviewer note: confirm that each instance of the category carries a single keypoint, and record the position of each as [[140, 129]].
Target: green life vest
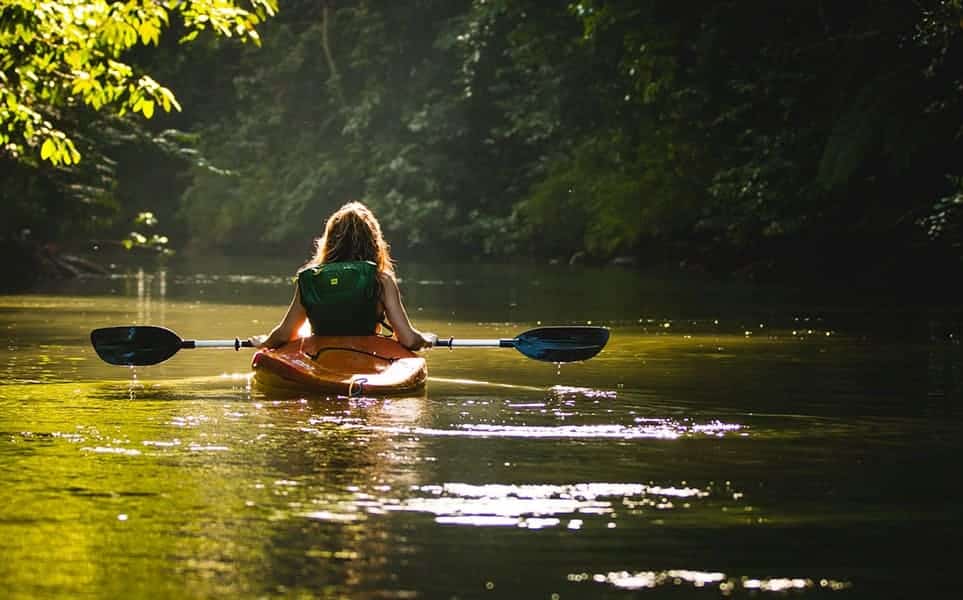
[[341, 298]]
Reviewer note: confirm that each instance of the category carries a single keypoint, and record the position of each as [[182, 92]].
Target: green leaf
[[48, 149], [169, 99], [72, 151]]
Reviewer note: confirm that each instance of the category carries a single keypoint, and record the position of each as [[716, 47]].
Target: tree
[[290, 151], [60, 55]]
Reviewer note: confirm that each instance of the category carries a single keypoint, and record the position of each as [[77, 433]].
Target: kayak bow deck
[[345, 365]]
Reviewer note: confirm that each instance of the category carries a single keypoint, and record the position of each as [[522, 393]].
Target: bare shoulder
[[387, 280]]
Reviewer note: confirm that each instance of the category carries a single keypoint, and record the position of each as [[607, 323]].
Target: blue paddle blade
[[562, 344], [135, 345]]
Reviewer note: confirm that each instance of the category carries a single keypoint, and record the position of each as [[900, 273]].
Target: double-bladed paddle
[[140, 345]]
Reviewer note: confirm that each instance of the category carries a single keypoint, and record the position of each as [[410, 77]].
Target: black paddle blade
[[562, 344], [135, 345]]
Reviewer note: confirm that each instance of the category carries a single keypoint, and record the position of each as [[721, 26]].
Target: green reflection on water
[[801, 450]]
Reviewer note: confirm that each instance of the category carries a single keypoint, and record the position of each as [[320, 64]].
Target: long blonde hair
[[353, 233]]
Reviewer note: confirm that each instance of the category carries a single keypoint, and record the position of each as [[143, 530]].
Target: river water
[[731, 441]]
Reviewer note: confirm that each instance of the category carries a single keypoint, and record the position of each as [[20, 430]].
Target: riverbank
[[26, 264]]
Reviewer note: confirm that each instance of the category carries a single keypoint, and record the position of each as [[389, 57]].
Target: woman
[[349, 287]]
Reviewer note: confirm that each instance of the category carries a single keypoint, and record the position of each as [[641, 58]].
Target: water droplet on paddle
[[558, 369]]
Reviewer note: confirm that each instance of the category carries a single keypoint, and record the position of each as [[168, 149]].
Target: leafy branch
[[59, 55]]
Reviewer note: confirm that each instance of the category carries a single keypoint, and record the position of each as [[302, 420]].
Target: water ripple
[[526, 506], [666, 429], [639, 580]]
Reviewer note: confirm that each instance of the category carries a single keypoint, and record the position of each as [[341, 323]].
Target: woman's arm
[[287, 329], [409, 337]]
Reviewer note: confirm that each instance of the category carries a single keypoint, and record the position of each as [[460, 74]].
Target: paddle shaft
[[494, 343], [441, 343], [236, 343]]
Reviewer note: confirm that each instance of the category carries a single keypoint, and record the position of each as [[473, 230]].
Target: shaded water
[[729, 442]]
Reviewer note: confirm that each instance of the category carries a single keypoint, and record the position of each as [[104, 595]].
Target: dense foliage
[[67, 81], [724, 134]]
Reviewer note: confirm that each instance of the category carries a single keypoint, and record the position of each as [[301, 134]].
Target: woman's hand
[[428, 340], [257, 340]]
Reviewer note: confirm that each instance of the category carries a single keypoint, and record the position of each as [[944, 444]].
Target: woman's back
[[341, 298], [348, 287]]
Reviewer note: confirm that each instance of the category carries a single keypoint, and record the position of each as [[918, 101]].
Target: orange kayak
[[345, 365]]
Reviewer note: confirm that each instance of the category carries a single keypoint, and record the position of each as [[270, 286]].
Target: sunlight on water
[[478, 382], [208, 448], [215, 279], [527, 506], [112, 450], [699, 579], [664, 429], [162, 444], [567, 391], [325, 515]]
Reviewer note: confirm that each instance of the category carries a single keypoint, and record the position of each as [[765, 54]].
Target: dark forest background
[[774, 139]]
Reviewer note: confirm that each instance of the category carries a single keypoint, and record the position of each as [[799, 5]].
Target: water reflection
[[666, 429], [141, 286], [529, 505], [700, 456], [700, 579]]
